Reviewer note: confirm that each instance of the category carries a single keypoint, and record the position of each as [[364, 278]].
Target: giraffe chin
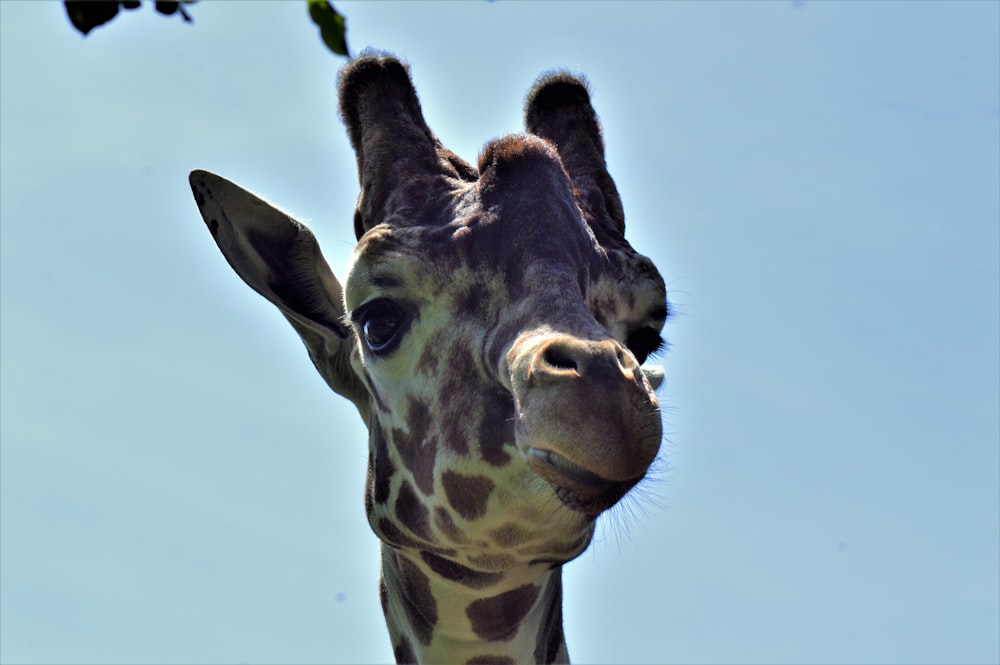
[[577, 488]]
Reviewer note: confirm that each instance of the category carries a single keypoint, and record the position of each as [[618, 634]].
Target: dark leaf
[[85, 16], [166, 8], [131, 4], [332, 25]]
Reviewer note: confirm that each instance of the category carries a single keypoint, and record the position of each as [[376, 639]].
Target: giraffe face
[[490, 330], [501, 343]]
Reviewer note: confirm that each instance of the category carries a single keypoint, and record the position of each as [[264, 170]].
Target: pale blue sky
[[818, 183]]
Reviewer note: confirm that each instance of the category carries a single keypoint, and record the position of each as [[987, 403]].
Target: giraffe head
[[490, 331]]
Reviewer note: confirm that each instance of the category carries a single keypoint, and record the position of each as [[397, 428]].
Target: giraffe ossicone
[[491, 332]]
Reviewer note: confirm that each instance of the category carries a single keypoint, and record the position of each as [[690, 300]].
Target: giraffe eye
[[643, 343], [381, 322]]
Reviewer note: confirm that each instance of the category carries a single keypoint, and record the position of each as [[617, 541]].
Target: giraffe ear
[[393, 144], [558, 109], [279, 258]]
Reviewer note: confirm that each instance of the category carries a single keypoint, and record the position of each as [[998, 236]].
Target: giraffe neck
[[438, 611]]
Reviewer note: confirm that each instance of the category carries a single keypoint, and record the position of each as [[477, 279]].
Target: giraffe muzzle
[[588, 421]]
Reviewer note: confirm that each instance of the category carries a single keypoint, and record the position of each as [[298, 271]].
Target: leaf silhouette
[[85, 15], [332, 25]]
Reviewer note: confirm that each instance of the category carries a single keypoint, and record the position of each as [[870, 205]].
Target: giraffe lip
[[562, 466], [577, 487]]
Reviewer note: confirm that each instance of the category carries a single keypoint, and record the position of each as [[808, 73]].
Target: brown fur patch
[[403, 652], [370, 485], [550, 634], [473, 301], [419, 605], [447, 526], [388, 532], [496, 429], [384, 469], [454, 430], [497, 619], [430, 358], [456, 401], [412, 513], [417, 448], [456, 572], [509, 535], [467, 494], [493, 561], [491, 660], [383, 595]]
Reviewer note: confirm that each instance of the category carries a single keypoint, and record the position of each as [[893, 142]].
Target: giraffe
[[491, 332]]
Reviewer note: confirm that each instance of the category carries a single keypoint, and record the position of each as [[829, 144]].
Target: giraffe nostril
[[567, 357], [559, 357]]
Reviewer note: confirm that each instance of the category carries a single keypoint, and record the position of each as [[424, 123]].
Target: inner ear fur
[[558, 109]]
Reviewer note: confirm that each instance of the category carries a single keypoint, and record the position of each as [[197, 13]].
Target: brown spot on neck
[[418, 601], [456, 572], [491, 660], [468, 495], [550, 634], [498, 618]]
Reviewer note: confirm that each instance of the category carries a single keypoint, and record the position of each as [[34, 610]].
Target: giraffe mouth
[[578, 488]]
